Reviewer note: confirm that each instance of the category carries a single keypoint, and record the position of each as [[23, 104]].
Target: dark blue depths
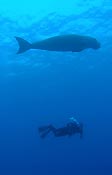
[[52, 96]]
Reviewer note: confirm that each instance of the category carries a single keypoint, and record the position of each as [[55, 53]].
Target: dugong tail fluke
[[23, 45]]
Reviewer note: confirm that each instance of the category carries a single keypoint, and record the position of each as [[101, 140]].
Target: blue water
[[42, 87]]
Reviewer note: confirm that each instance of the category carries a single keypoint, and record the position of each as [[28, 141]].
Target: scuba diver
[[73, 127]]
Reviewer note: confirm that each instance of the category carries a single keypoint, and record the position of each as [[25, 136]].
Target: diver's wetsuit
[[69, 130]]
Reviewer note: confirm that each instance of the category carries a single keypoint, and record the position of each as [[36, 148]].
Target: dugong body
[[62, 43]]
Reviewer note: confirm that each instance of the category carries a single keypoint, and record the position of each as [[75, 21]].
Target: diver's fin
[[23, 45], [43, 135], [43, 128]]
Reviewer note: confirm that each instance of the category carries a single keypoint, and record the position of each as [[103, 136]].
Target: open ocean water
[[44, 87]]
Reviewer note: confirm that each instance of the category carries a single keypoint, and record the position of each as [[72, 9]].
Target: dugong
[[61, 43]]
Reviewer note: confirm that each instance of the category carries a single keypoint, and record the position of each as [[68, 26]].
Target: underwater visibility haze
[[62, 76]]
